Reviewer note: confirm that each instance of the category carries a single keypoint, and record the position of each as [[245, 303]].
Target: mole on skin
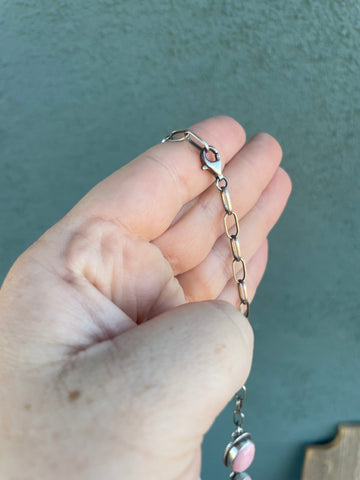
[[74, 395]]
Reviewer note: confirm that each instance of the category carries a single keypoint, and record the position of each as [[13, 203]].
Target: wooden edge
[[341, 432]]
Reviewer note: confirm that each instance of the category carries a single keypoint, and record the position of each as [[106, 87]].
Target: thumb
[[192, 359], [171, 376]]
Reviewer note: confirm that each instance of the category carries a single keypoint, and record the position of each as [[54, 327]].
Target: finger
[[255, 272], [188, 363], [208, 279], [191, 239], [144, 196]]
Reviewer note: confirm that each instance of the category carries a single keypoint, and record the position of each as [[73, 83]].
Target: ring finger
[[208, 279]]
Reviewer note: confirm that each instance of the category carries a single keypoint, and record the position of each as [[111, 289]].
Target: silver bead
[[239, 476]]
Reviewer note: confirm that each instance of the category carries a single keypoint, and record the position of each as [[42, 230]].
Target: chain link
[[232, 232], [238, 415], [181, 135], [238, 260], [240, 280], [226, 200], [236, 250]]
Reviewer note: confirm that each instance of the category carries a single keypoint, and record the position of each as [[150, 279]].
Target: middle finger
[[188, 242]]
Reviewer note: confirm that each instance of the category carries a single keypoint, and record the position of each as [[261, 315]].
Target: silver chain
[[231, 221], [231, 224], [238, 414]]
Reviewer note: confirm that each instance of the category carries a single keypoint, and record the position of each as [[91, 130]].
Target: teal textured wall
[[86, 86]]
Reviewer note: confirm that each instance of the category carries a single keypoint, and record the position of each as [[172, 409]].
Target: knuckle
[[239, 328], [92, 242]]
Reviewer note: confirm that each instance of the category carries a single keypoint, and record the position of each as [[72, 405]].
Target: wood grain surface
[[337, 460]]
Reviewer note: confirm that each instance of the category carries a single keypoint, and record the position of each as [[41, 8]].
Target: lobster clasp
[[214, 166]]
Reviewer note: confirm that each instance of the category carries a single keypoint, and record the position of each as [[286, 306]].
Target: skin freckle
[[219, 349], [27, 406], [74, 395]]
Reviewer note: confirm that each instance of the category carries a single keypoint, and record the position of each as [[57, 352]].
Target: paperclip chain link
[[231, 221]]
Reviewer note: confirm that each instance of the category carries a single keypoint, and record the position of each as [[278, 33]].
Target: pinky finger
[[255, 271]]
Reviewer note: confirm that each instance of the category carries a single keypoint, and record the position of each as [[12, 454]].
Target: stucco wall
[[85, 86]]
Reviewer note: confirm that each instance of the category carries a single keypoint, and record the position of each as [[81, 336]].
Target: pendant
[[239, 455]]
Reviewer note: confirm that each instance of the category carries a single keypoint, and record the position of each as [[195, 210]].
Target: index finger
[[144, 196]]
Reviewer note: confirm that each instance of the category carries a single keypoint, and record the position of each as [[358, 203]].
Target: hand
[[118, 341]]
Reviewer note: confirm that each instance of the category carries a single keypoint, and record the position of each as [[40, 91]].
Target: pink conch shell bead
[[245, 457]]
